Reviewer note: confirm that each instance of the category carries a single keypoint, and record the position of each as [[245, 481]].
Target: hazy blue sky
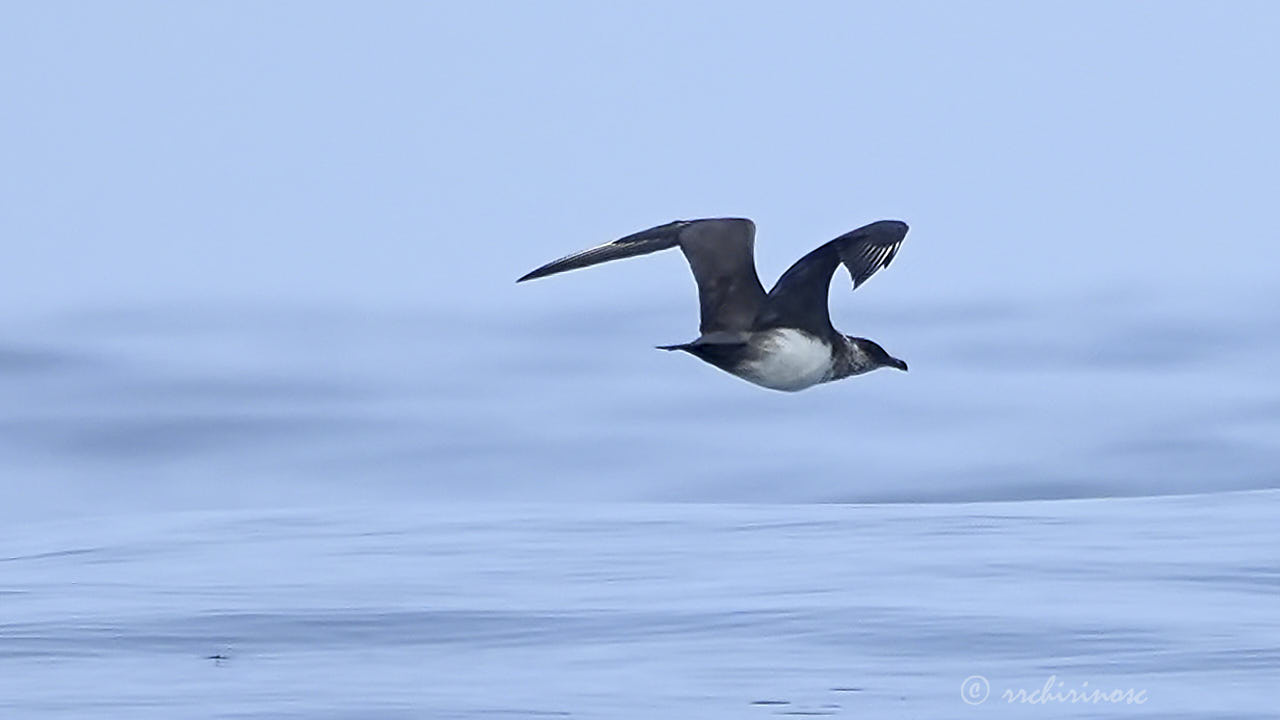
[[403, 153], [1087, 297]]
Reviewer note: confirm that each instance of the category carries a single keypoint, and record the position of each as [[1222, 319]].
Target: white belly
[[788, 360]]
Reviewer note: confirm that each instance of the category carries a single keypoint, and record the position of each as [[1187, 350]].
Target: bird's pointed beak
[[901, 365]]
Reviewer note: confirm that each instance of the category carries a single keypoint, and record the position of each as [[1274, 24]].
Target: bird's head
[[876, 357]]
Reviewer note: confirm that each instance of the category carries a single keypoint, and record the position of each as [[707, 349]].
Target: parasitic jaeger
[[782, 339]]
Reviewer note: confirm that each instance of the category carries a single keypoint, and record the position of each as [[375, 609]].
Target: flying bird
[[782, 339]]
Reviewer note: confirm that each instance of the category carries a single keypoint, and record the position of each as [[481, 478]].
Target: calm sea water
[[238, 512], [668, 610]]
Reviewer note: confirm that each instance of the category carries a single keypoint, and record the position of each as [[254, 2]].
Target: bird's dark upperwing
[[799, 299], [720, 253]]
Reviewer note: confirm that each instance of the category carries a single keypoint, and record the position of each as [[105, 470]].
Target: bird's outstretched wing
[[720, 253], [799, 298]]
